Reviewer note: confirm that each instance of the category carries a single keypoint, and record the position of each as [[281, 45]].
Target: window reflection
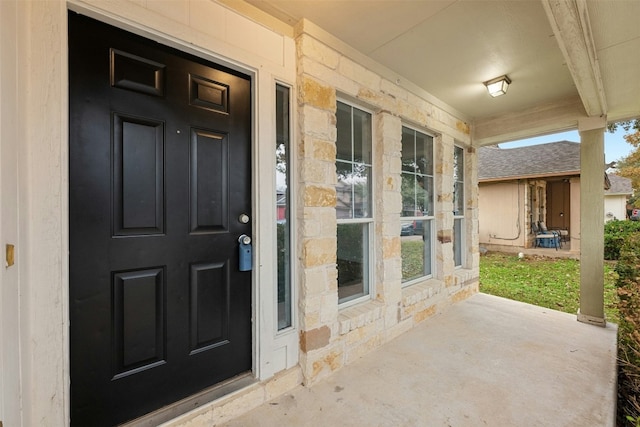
[[417, 204], [354, 200], [283, 227]]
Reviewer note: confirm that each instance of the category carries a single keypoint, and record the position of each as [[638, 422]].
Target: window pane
[[283, 228], [408, 190], [417, 201], [362, 191], [344, 190], [416, 250], [424, 153], [343, 124], [353, 165], [458, 198], [458, 164], [457, 242], [458, 179], [408, 150], [361, 136], [424, 195], [353, 243]]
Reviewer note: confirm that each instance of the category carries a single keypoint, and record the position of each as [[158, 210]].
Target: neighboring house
[[615, 198], [522, 186], [151, 261]]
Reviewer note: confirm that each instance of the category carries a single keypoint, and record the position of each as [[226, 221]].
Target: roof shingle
[[536, 160]]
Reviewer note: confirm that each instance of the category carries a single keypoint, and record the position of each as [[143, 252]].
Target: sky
[[615, 147]]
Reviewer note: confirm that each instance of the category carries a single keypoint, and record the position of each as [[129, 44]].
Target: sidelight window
[[283, 203], [458, 206]]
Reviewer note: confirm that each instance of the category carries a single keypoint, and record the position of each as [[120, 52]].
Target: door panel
[[558, 204], [209, 164], [159, 170]]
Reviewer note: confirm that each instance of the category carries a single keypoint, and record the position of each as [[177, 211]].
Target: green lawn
[[547, 282], [412, 258]]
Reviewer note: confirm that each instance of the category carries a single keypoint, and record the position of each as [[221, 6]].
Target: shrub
[[628, 283], [614, 234]]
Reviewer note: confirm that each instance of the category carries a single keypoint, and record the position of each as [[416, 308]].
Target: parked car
[[407, 229], [635, 215]]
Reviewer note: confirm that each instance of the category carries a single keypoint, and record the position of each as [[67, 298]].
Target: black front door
[[160, 173]]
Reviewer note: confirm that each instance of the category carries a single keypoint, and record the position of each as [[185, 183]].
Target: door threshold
[[190, 403]]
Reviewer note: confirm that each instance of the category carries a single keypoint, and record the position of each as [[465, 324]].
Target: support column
[[591, 221]]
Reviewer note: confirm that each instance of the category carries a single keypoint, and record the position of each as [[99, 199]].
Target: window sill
[[465, 276], [421, 291], [357, 316]]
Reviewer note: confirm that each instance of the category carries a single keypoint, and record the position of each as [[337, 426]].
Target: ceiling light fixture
[[498, 86]]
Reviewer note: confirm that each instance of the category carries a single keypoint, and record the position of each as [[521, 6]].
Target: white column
[[591, 221]]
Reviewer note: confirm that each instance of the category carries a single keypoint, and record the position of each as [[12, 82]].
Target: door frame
[[272, 351]]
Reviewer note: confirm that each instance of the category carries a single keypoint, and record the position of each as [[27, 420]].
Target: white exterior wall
[[10, 136], [34, 379], [615, 206]]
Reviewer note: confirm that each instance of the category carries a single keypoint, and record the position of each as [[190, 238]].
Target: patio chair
[[562, 234], [548, 239]]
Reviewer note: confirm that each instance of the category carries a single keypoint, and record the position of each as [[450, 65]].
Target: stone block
[[391, 247], [327, 75], [364, 348], [359, 74], [329, 309], [319, 52], [321, 251], [463, 127], [393, 89], [318, 95], [320, 124], [324, 150], [315, 171], [314, 339], [320, 365], [394, 165], [319, 196], [463, 294], [315, 281], [424, 314]]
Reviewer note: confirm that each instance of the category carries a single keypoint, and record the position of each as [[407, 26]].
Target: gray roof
[[619, 185], [555, 158]]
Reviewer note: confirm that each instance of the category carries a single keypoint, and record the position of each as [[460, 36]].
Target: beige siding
[[502, 214]]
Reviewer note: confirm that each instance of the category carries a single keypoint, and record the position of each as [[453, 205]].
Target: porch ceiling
[[567, 59]]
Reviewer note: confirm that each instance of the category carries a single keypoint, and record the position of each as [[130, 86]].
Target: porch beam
[[591, 221], [571, 26], [546, 118]]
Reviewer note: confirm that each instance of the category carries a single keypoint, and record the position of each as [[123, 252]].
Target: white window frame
[[425, 219], [290, 243], [461, 238], [369, 257]]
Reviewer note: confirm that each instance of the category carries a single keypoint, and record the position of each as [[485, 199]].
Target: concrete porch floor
[[486, 361]]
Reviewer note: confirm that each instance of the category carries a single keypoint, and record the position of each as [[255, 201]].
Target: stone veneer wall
[[331, 337]]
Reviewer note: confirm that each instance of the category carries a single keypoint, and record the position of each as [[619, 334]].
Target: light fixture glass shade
[[498, 86]]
